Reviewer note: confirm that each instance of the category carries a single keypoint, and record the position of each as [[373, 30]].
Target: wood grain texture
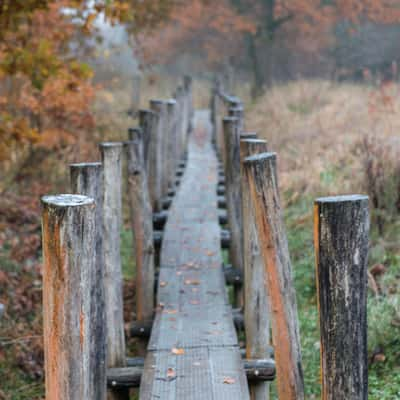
[[193, 314], [147, 122], [142, 228], [155, 174], [111, 154], [261, 174], [172, 150], [341, 245], [87, 179], [256, 304], [234, 196], [68, 226]]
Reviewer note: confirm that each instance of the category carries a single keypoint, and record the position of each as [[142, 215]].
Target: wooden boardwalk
[[193, 351]]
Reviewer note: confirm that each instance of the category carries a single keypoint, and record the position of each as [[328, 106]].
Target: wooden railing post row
[[234, 196], [260, 171], [142, 229], [111, 154], [341, 245], [87, 179], [156, 156], [256, 305], [68, 224]]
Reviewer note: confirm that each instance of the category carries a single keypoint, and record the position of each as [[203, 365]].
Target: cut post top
[[93, 165], [171, 102], [249, 135], [110, 145], [342, 199], [230, 120], [66, 200], [260, 157], [254, 141]]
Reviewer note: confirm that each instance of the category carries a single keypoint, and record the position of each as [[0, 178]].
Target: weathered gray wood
[[234, 196], [142, 228], [69, 241], [87, 179], [172, 151], [156, 154], [159, 220], [260, 171], [341, 245], [238, 112], [193, 344], [256, 307], [233, 276], [256, 371], [148, 122], [111, 154]]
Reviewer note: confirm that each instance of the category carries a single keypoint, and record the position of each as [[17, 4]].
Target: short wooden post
[[341, 246], [238, 112], [87, 179], [142, 228], [156, 177], [111, 154], [147, 122], [256, 305], [234, 197], [68, 223], [261, 174]]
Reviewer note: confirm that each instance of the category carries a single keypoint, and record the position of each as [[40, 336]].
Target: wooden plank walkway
[[193, 351]]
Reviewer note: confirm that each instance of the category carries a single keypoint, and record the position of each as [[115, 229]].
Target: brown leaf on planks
[[171, 373], [229, 381], [163, 283], [177, 352], [192, 282]]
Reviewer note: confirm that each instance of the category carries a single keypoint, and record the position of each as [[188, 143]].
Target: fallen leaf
[[228, 380], [163, 283], [192, 282], [177, 352], [171, 373]]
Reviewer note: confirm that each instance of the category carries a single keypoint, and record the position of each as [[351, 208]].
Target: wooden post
[[157, 155], [142, 228], [341, 246], [147, 123], [261, 174], [188, 84], [172, 149], [256, 305], [234, 197], [68, 224], [238, 112], [87, 179], [136, 92], [111, 154]]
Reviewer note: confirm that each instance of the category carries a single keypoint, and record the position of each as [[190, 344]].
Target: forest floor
[[325, 135]]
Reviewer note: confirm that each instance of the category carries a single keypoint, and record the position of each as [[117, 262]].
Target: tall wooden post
[[87, 179], [157, 155], [142, 228], [234, 196], [147, 123], [111, 154], [68, 224], [261, 174], [341, 246], [172, 150], [256, 305]]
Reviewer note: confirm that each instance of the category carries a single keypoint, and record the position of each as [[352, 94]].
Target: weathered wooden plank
[[256, 305], [68, 223], [260, 172], [341, 245], [111, 154], [147, 121], [87, 179], [193, 313]]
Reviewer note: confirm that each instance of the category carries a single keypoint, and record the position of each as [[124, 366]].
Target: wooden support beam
[[261, 174], [87, 180], [233, 276], [69, 255], [157, 239], [111, 154], [221, 200], [130, 377], [256, 307], [141, 329], [341, 245], [222, 217], [225, 239], [221, 190], [159, 220], [142, 229]]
